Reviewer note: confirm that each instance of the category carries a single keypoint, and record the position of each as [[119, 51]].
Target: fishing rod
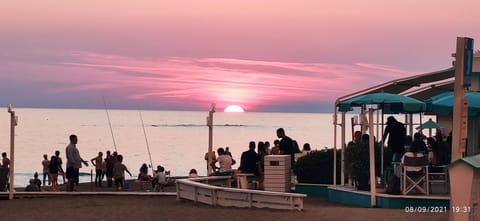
[[146, 140], [109, 124]]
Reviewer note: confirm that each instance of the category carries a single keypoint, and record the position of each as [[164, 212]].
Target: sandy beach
[[169, 208]]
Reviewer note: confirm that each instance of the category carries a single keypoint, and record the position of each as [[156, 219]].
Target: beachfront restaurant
[[371, 106]]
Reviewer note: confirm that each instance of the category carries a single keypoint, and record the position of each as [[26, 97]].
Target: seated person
[[414, 152], [32, 187], [161, 179], [36, 180], [225, 162], [193, 173], [434, 154], [143, 175]]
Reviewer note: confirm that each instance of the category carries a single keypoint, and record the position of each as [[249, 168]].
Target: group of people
[[51, 169], [111, 166], [437, 148], [159, 179], [252, 161]]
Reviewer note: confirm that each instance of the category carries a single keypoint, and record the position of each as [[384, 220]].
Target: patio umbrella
[[389, 103], [443, 103], [429, 124]]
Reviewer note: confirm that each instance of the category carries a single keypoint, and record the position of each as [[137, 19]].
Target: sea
[[177, 140]]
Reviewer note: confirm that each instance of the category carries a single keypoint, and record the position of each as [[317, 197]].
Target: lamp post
[[13, 123], [210, 138]]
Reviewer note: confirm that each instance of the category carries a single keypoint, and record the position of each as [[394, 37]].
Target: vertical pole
[[342, 181], [459, 133], [373, 178], [91, 180], [210, 138], [335, 148], [458, 138], [13, 123]]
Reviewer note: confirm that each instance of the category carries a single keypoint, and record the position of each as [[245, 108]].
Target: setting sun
[[233, 108]]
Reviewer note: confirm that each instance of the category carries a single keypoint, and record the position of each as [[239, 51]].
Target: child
[[161, 179], [119, 173]]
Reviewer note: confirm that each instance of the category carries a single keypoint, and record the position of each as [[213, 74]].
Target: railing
[[197, 190]]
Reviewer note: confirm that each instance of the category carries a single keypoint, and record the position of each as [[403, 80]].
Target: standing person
[[286, 145], [98, 163], [5, 160], [213, 156], [53, 172], [396, 133], [60, 167], [262, 152], [119, 173], [46, 166], [249, 160], [74, 163], [110, 162]]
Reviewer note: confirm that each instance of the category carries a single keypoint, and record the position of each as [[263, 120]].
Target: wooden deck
[[197, 191]]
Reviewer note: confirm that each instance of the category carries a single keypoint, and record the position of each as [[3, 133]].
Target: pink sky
[[261, 55]]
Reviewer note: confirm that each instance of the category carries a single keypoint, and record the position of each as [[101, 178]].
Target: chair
[[412, 180], [438, 179]]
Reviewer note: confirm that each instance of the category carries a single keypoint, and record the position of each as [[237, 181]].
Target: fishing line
[[109, 124], [146, 140]]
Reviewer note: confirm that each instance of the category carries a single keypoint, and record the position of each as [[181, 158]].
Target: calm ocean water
[[178, 140]]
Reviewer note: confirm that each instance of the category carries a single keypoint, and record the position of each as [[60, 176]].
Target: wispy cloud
[[196, 81]]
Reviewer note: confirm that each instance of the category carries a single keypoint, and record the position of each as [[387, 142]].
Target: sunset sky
[[286, 56]]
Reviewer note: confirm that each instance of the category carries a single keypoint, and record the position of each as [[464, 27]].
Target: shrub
[[317, 167]]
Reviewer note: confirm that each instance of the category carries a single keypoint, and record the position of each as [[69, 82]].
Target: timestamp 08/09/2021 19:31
[[437, 209]]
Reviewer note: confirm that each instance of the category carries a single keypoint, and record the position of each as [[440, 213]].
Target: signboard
[[468, 61]]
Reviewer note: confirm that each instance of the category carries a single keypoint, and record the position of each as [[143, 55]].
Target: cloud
[[196, 82]]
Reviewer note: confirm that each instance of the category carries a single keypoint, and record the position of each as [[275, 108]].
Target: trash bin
[[277, 173]]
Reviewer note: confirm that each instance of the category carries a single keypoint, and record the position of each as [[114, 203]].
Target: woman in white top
[[412, 153]]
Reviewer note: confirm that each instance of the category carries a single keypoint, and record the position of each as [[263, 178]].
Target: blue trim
[[401, 203], [362, 198], [317, 190], [349, 198]]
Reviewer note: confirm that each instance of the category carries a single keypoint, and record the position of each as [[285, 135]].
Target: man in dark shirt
[[286, 145], [249, 160], [396, 133]]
